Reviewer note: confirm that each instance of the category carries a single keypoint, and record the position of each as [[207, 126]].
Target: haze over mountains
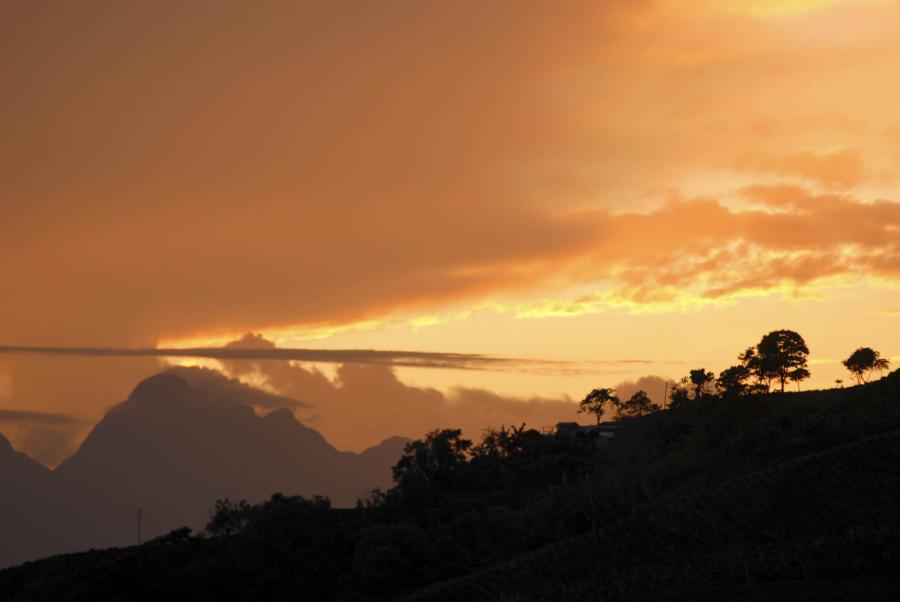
[[182, 439]]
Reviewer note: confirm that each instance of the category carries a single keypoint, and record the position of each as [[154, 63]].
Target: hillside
[[821, 526], [771, 496]]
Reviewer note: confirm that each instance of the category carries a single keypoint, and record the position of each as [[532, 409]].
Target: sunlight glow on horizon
[[775, 8]]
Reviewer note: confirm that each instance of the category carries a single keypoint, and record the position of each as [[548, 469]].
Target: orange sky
[[654, 180]]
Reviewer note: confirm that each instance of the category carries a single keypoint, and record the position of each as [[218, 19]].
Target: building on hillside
[[603, 432]]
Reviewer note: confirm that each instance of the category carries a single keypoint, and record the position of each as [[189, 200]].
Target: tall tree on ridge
[[596, 400], [865, 360], [782, 355]]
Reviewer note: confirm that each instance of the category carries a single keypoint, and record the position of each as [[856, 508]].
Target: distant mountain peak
[[164, 385], [282, 415], [192, 385]]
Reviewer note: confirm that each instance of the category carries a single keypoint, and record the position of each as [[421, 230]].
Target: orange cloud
[[235, 169], [839, 169], [367, 403]]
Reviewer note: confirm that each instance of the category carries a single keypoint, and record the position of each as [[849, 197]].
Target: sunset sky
[[623, 189]]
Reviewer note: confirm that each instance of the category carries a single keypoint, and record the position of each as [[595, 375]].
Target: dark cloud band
[[411, 359], [46, 418]]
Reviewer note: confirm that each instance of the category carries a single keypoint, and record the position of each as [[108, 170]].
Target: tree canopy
[[732, 381], [596, 401], [638, 404], [864, 361], [701, 379], [780, 355], [432, 461]]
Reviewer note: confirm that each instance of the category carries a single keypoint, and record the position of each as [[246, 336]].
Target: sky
[[629, 189]]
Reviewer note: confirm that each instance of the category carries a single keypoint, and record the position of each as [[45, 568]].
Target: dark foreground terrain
[[765, 497]]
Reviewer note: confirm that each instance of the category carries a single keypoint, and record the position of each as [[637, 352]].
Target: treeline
[[780, 357]]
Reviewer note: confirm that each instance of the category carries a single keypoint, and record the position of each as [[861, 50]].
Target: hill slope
[[765, 497], [828, 517]]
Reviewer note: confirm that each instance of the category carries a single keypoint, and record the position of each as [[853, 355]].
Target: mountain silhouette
[[180, 441], [18, 468], [24, 489]]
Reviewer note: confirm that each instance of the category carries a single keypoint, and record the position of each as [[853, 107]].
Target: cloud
[[655, 387], [254, 348], [47, 418], [219, 389], [47, 437], [210, 181], [374, 150], [838, 169], [702, 250], [686, 251], [366, 403], [358, 356]]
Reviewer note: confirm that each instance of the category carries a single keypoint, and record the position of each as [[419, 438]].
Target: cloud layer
[[47, 437], [366, 403], [227, 169], [410, 359]]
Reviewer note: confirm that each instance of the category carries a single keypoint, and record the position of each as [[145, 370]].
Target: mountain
[[16, 467], [180, 441], [23, 490]]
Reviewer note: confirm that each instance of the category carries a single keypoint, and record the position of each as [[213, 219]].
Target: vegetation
[[701, 380], [733, 492], [638, 404], [780, 356], [864, 361], [597, 401], [732, 382]]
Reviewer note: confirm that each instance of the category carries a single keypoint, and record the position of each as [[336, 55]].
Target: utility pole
[[138, 516]]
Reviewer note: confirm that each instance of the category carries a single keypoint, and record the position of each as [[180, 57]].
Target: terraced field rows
[[856, 485]]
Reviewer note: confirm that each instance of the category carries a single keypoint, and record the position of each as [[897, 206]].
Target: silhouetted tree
[[863, 361], [700, 379], [798, 375], [503, 443], [781, 355], [596, 400], [432, 460], [680, 393], [753, 363], [732, 381], [639, 404], [229, 518]]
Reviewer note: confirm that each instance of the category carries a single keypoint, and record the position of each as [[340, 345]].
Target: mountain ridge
[[171, 449]]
